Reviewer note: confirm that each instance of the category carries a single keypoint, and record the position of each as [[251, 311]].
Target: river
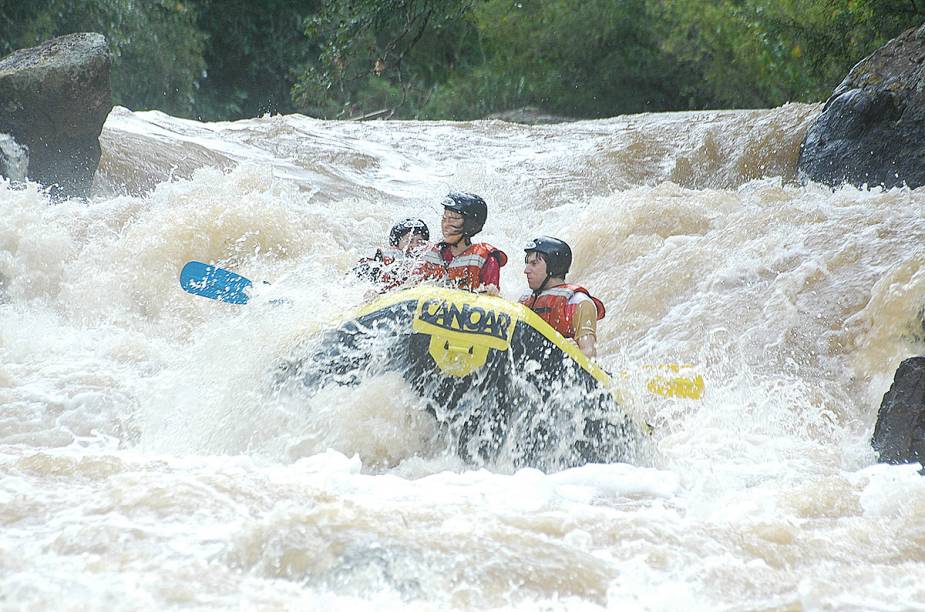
[[145, 466]]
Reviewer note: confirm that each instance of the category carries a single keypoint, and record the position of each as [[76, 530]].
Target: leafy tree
[[15, 20], [224, 59], [593, 58], [757, 53], [251, 54], [157, 49], [381, 53]]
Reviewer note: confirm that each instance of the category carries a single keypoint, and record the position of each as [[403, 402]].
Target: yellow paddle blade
[[675, 382]]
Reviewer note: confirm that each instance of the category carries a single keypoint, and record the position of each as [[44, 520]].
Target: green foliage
[[593, 58], [756, 53], [463, 59], [157, 49], [375, 52], [435, 59], [252, 51], [16, 19]]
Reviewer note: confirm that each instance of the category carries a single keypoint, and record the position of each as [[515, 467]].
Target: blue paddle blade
[[214, 283]]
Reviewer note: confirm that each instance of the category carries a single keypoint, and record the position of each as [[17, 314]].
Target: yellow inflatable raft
[[507, 387]]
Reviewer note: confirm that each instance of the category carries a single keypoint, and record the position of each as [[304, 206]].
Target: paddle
[[214, 283], [675, 380]]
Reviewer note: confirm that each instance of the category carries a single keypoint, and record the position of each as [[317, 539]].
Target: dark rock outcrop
[[14, 159], [872, 129], [899, 435], [54, 99], [529, 115]]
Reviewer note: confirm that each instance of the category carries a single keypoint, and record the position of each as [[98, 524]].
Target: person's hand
[[490, 290]]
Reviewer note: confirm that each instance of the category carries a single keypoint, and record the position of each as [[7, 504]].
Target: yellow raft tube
[[507, 387]]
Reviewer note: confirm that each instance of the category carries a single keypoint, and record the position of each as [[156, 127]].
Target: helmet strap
[[461, 238], [543, 285]]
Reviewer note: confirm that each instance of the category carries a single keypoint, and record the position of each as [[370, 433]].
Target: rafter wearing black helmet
[[415, 227], [557, 255], [473, 209], [391, 266], [456, 260], [569, 309]]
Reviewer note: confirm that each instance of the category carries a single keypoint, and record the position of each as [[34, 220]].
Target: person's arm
[[490, 276], [369, 268], [584, 324]]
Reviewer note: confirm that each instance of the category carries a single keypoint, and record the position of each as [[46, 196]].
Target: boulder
[[872, 129], [14, 159], [899, 435], [54, 99], [529, 115]]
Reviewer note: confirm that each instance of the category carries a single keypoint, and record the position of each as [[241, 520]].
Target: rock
[[872, 129], [14, 159], [899, 435], [54, 99], [529, 115]]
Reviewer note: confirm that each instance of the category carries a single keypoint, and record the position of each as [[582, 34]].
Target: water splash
[[140, 433]]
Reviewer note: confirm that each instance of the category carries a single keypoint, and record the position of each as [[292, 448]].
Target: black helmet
[[473, 209], [415, 226], [557, 254]]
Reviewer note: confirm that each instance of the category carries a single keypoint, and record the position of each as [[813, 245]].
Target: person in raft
[[458, 261], [569, 309], [391, 266]]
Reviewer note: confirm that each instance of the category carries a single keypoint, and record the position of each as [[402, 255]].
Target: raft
[[506, 387]]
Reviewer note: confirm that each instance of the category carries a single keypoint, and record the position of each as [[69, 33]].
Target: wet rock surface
[[899, 435], [529, 115], [872, 128], [54, 99]]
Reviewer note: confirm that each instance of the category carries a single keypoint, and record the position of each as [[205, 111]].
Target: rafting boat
[[503, 382]]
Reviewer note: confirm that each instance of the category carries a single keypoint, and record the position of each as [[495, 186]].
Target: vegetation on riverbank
[[464, 59]]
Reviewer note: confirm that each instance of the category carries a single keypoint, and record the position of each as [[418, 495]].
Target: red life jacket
[[389, 267], [464, 270], [553, 306]]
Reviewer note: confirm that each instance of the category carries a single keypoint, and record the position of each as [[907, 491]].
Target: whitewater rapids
[[145, 465]]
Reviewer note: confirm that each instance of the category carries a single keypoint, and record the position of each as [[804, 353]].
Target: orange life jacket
[[464, 271], [553, 306], [389, 267]]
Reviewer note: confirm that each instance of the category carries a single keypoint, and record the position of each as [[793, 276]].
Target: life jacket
[[465, 269], [389, 266], [553, 306]]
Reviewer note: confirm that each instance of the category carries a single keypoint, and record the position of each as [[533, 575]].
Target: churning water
[[145, 464]]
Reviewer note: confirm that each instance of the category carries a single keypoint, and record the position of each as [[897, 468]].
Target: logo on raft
[[466, 318]]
